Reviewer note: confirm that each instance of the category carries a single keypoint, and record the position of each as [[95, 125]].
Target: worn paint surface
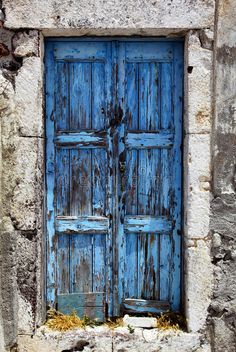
[[88, 304], [114, 114]]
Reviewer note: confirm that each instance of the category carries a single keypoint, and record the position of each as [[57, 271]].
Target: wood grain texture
[[113, 173], [81, 225], [147, 224], [148, 140], [142, 306], [83, 304]]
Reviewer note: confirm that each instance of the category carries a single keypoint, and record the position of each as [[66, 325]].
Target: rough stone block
[[27, 261], [139, 322], [223, 334], [181, 342], [26, 43], [197, 185], [29, 98], [199, 86], [199, 283], [22, 179], [150, 335], [96, 14], [206, 37]]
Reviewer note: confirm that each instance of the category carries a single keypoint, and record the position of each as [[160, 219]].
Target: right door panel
[[149, 231]]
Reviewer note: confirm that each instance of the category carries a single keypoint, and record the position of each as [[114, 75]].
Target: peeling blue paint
[[114, 136]]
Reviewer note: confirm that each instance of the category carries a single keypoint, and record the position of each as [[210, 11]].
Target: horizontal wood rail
[[85, 139], [142, 306], [147, 224], [81, 225], [144, 140]]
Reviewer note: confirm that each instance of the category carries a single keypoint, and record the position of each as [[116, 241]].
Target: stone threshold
[[139, 322], [103, 339]]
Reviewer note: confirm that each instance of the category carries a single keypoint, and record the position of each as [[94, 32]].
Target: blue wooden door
[[113, 175]]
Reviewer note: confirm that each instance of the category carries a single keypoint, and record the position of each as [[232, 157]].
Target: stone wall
[[209, 155], [22, 136], [222, 310]]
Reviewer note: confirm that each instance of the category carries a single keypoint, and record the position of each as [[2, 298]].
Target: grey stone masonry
[[209, 173]]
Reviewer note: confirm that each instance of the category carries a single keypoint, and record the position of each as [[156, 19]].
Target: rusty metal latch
[[122, 167]]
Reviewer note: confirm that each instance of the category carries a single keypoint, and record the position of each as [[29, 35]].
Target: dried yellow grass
[[112, 324], [60, 322], [171, 321]]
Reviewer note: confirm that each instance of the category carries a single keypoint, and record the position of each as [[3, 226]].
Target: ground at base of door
[[104, 339]]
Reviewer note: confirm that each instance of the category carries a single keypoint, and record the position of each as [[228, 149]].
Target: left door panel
[[78, 158]]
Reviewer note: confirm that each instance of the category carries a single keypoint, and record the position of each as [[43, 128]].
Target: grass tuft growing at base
[[171, 321], [114, 323], [60, 322]]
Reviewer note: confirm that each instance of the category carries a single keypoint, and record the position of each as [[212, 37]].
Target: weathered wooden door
[[113, 166]]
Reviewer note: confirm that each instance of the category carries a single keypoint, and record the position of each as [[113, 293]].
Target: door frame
[[121, 39]]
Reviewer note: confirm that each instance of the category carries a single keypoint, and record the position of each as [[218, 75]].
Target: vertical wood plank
[[81, 250], [99, 263], [75, 184], [132, 91], [149, 96], [98, 159], [62, 178], [177, 175], [98, 181], [131, 182], [62, 96], [81, 263], [166, 84], [148, 273], [109, 107], [132, 109], [80, 96], [153, 118], [99, 175], [120, 200], [132, 269], [63, 264], [81, 247], [98, 86], [165, 266], [51, 253], [81, 173], [166, 179]]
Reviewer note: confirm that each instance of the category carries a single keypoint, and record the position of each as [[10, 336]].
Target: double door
[[113, 175]]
